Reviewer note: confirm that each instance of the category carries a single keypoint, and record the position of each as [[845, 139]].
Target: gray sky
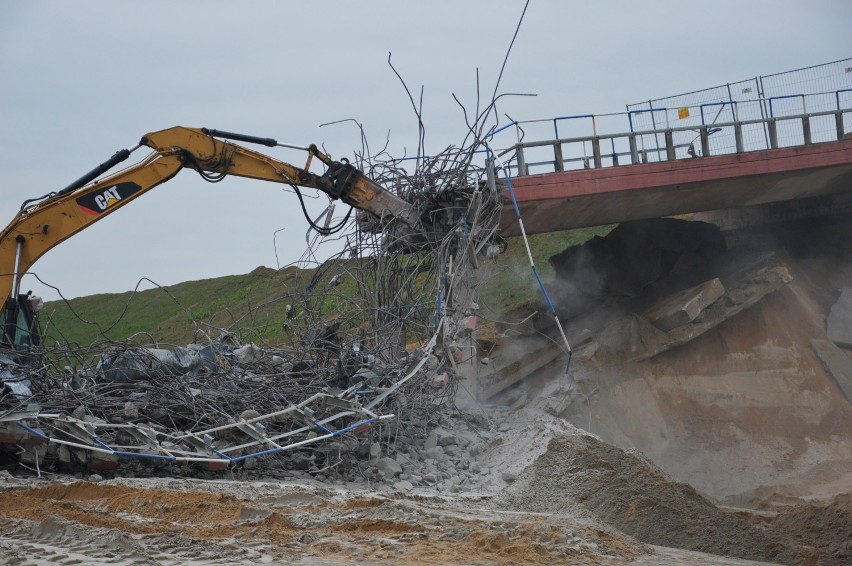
[[83, 79]]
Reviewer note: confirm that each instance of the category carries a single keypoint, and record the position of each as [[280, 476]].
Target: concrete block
[[389, 467], [840, 319], [685, 306], [537, 353]]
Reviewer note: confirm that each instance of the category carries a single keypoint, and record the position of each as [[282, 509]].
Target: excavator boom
[[43, 223]]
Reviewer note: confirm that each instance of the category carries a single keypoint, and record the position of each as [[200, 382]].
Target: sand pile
[[624, 489], [748, 410], [826, 527]]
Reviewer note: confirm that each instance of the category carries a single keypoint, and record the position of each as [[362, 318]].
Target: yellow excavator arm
[[43, 223]]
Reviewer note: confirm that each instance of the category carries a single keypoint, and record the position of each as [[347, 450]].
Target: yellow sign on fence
[[682, 113]]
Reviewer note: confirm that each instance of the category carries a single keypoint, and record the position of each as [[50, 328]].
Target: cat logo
[[101, 201], [108, 198]]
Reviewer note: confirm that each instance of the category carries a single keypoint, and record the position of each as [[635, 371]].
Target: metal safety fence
[[706, 129]]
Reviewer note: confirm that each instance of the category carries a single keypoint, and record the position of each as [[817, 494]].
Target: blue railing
[[748, 125], [770, 128]]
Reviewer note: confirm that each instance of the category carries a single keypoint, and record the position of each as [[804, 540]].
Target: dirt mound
[[741, 405], [627, 491], [828, 528]]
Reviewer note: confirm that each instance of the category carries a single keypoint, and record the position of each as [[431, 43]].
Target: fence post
[[522, 163], [634, 154], [705, 142], [596, 152], [806, 129], [738, 135], [670, 150], [557, 156], [773, 133], [838, 121]]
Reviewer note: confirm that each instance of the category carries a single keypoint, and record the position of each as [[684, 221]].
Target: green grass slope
[[253, 305]]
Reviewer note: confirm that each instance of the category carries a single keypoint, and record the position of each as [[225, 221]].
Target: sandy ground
[[196, 523], [546, 493]]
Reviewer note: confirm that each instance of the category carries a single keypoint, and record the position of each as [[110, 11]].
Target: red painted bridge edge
[[651, 175]]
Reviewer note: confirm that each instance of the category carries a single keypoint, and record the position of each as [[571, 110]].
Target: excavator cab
[[20, 323]]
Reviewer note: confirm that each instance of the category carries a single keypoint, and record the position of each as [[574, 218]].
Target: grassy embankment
[[253, 305]]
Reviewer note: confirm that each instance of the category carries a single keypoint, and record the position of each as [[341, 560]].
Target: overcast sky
[[82, 79]]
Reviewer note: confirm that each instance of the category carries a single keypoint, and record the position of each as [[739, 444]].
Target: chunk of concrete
[[840, 319], [751, 288], [838, 365], [532, 354], [685, 306], [248, 354], [389, 467]]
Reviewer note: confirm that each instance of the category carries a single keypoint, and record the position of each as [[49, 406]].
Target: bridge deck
[[592, 197]]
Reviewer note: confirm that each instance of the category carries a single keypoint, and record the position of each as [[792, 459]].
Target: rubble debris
[[749, 281], [533, 354], [691, 285], [685, 306], [344, 372], [125, 364], [182, 418]]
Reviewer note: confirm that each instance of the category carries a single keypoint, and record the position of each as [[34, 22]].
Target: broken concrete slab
[[644, 338], [131, 364], [751, 288], [685, 306], [389, 467], [836, 363], [541, 353], [840, 319]]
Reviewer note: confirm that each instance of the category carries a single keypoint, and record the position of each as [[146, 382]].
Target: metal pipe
[[654, 125], [304, 442], [837, 95], [771, 98], [19, 239], [762, 105]]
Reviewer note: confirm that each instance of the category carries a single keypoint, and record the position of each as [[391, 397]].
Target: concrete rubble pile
[[381, 370], [139, 410]]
